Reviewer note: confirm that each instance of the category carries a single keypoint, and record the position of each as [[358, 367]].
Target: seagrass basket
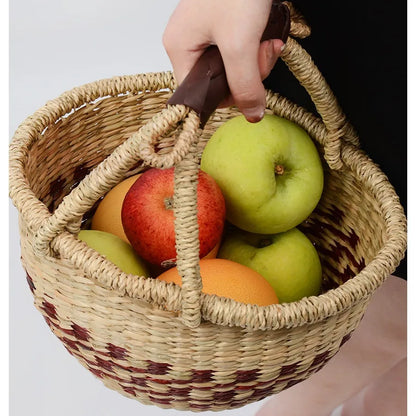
[[158, 343]]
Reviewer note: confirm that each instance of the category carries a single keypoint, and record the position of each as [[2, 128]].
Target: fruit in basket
[[115, 250], [148, 220], [270, 173], [231, 280], [288, 260], [107, 216]]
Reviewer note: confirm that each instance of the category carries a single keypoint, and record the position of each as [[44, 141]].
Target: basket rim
[[305, 311]]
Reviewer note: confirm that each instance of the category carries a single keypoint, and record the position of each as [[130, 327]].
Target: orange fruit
[[231, 280], [107, 217]]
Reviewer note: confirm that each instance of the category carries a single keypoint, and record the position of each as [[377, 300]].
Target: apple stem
[[168, 203], [264, 242], [279, 170]]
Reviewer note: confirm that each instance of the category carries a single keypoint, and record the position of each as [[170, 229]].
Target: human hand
[[236, 27]]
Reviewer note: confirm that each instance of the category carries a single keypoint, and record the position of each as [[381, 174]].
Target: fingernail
[[278, 46], [254, 115]]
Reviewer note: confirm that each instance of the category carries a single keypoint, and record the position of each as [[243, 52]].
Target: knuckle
[[233, 48], [167, 39]]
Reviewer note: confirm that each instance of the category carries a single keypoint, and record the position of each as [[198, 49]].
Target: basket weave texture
[[156, 342]]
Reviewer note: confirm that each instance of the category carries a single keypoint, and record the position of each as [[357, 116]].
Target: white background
[[54, 46]]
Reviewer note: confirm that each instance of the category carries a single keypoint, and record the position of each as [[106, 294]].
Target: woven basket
[[158, 343]]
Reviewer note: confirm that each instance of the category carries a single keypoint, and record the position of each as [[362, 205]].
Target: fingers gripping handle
[[206, 84]]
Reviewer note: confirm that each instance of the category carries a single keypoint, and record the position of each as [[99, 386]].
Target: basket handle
[[337, 127]]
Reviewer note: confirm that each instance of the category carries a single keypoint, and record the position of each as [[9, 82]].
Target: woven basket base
[[207, 368]]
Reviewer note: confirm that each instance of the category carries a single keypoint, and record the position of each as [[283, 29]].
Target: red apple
[[148, 220]]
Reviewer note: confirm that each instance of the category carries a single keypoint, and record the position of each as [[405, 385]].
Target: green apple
[[288, 260], [115, 250], [270, 173]]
